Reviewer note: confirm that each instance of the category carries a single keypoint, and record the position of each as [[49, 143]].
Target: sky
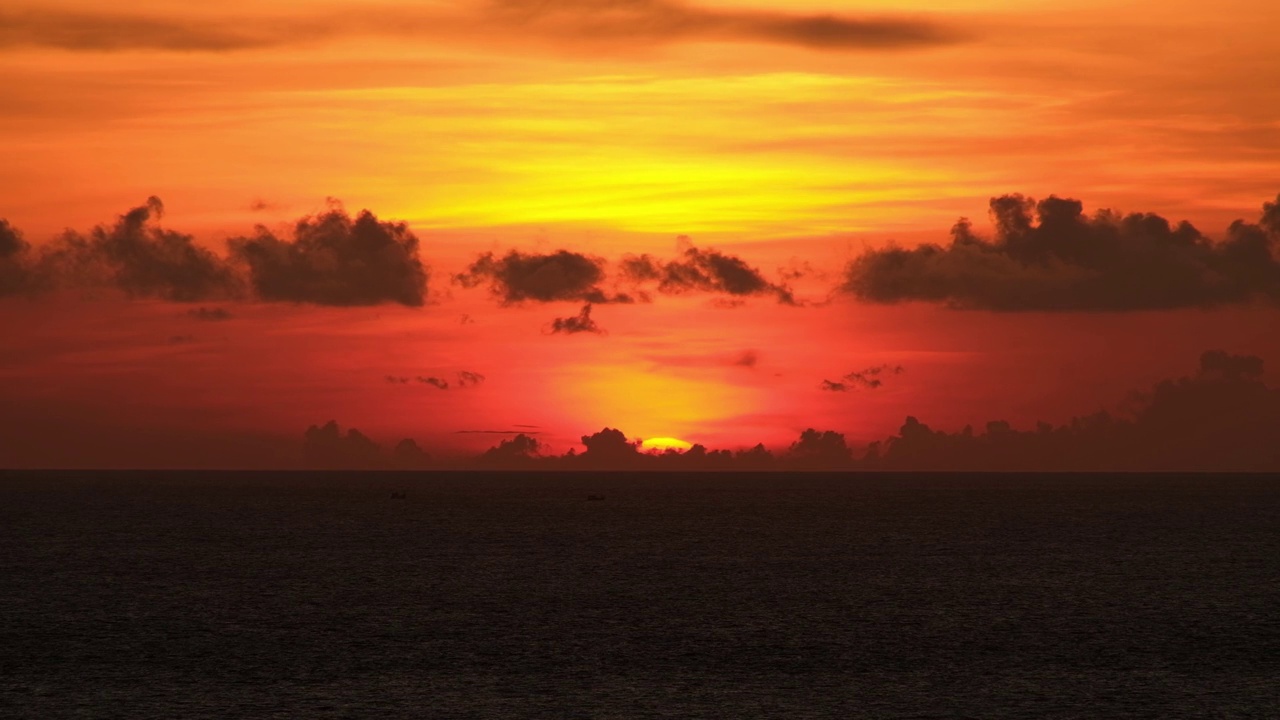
[[723, 222]]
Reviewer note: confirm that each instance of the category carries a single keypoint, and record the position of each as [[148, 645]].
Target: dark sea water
[[787, 596]]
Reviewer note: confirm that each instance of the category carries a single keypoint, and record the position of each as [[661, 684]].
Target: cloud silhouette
[[516, 451], [664, 21], [580, 323], [870, 378], [328, 448], [466, 379], [826, 449], [745, 359], [407, 455], [1048, 255], [434, 382], [138, 257], [618, 22], [334, 259], [14, 273], [560, 276], [609, 445], [1221, 418], [209, 314], [698, 270]]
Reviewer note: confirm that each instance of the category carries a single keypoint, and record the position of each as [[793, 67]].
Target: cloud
[[14, 273], [746, 359], [467, 378], [619, 23], [702, 271], [1049, 256], [138, 257], [106, 32], [334, 259], [328, 448], [210, 314], [664, 21], [330, 259], [517, 450], [518, 277], [609, 446], [826, 449], [580, 323], [407, 455], [394, 380], [1220, 418], [870, 378]]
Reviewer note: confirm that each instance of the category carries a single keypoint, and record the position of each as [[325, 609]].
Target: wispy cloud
[[575, 22]]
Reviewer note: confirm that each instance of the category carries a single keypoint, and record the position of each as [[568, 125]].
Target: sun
[[666, 443]]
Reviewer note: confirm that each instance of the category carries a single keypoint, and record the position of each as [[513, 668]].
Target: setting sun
[[666, 443]]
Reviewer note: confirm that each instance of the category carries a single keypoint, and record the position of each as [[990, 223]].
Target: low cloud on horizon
[[1221, 417]]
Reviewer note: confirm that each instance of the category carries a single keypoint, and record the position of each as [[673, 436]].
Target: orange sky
[[784, 133]]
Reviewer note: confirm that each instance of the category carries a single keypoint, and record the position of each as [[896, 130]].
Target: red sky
[[794, 136]]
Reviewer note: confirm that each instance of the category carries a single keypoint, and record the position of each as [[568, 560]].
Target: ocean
[[318, 595]]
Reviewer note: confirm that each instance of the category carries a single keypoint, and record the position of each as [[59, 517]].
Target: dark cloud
[[14, 273], [560, 276], [609, 446], [334, 259], [328, 448], [702, 271], [106, 32], [394, 380], [1048, 255], [620, 23], [746, 359], [330, 259], [210, 314], [407, 455], [663, 21], [11, 242], [826, 449], [138, 257], [1221, 418], [518, 450], [466, 378], [580, 323], [871, 378]]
